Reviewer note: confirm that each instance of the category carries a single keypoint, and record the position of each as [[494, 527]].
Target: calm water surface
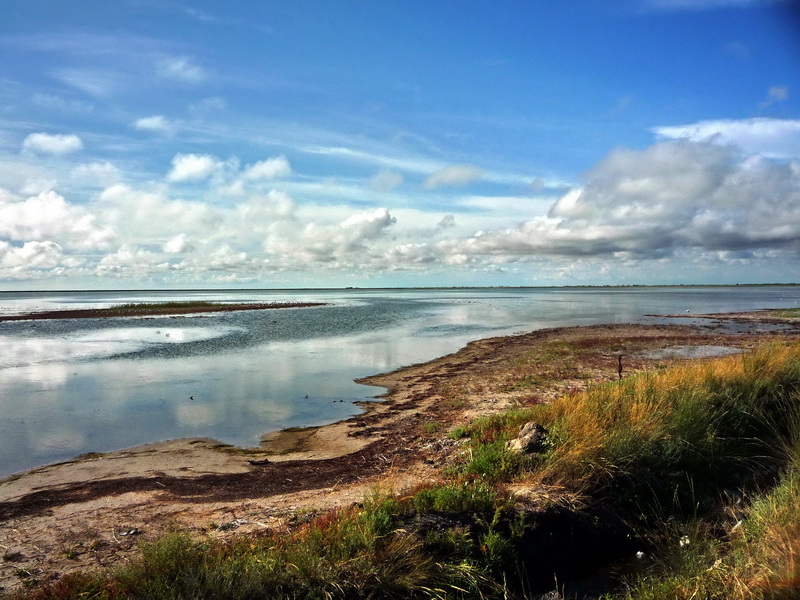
[[93, 385]]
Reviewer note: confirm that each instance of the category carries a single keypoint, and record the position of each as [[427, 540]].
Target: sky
[[336, 143]]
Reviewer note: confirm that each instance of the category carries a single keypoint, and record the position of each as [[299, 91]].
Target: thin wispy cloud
[[180, 68], [775, 95], [454, 175]]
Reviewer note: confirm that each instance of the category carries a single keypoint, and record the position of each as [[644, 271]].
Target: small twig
[[249, 522]]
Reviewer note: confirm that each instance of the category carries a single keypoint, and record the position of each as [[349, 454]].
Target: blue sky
[[340, 143]]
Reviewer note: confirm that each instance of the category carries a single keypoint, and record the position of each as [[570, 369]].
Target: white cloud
[[454, 175], [37, 185], [49, 216], [46, 143], [180, 68], [270, 168], [145, 215], [671, 197], [155, 124], [264, 209], [31, 255], [192, 167], [779, 138], [178, 245], [353, 241], [129, 261]]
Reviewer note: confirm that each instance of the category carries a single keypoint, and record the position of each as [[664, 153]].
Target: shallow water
[[94, 385]]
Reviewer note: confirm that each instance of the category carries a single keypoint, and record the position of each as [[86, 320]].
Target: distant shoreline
[[154, 309], [411, 288]]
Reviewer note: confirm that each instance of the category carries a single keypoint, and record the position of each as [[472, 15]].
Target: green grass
[[756, 558], [354, 553]]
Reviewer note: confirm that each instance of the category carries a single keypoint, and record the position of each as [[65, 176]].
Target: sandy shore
[[91, 511]]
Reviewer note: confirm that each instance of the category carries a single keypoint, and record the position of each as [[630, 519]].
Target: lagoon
[[69, 387]]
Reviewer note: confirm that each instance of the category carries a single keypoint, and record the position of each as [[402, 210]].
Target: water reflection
[[97, 344], [70, 387]]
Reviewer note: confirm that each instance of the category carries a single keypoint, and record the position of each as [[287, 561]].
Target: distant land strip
[[154, 309]]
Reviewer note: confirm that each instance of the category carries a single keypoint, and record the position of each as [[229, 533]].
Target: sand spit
[[156, 310]]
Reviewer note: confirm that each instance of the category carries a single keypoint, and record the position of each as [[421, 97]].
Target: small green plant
[[431, 427], [467, 497]]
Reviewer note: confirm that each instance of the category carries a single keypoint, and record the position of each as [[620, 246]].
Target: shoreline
[[397, 443], [155, 311]]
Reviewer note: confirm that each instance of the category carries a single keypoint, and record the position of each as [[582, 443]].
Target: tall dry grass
[[698, 425]]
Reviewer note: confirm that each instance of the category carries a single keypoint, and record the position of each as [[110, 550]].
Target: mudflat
[[155, 309], [90, 512]]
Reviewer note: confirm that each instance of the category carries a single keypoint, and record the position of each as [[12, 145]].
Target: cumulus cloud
[[778, 138], [350, 242], [670, 197], [261, 210], [49, 216], [46, 143], [128, 260], [454, 175], [143, 215], [193, 167], [31, 255], [154, 124], [270, 168], [180, 68], [178, 245]]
